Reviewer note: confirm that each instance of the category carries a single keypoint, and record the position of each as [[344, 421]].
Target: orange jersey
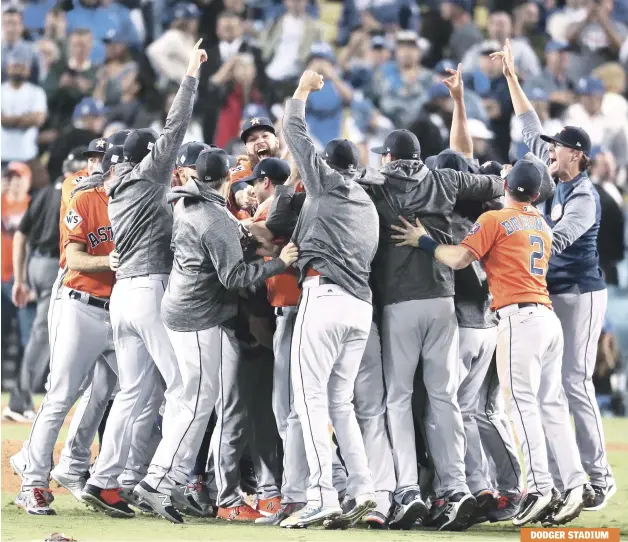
[[514, 245], [87, 221], [12, 213], [69, 184], [236, 174]]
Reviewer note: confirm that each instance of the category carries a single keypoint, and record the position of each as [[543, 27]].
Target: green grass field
[[84, 525]]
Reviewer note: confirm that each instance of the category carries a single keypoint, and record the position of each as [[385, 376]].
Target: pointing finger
[[198, 43]]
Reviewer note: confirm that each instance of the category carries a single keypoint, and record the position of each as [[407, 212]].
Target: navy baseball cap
[[444, 65], [276, 169], [212, 165], [572, 137], [524, 178], [113, 156], [118, 138], [322, 50], [491, 168], [186, 10], [138, 144], [554, 45], [590, 86], [342, 154], [450, 159], [256, 123], [402, 144], [96, 147], [88, 107], [189, 153]]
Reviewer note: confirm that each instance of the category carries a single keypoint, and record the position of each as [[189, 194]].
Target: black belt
[[324, 280], [93, 301], [520, 306], [45, 253]]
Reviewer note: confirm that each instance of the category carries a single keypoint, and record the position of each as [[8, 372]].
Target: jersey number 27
[[536, 242]]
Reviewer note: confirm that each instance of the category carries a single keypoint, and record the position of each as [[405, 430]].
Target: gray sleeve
[[302, 148], [578, 217], [478, 187], [281, 218], [222, 244], [157, 165], [532, 132]]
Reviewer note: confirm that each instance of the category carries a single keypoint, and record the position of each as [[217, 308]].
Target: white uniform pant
[[529, 358], [330, 336]]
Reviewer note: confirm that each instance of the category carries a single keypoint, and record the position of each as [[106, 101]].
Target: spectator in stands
[[482, 139], [439, 109], [325, 108], [613, 76], [24, 111], [554, 78], [499, 29], [597, 36], [377, 16], [605, 129], [363, 57], [526, 17], [70, 79], [47, 55], [194, 132], [286, 45], [88, 122], [465, 33], [118, 74], [610, 239], [170, 52], [400, 86], [12, 41]]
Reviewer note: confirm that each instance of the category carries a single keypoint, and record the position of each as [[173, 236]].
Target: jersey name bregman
[[524, 222], [101, 235]]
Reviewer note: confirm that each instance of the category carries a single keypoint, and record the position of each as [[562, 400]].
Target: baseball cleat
[[285, 511], [242, 512], [599, 497], [376, 520], [74, 483], [17, 464], [486, 501], [408, 511], [363, 505], [20, 417], [107, 501], [199, 493], [183, 500], [126, 494], [567, 509], [437, 507], [268, 507], [161, 503], [534, 507], [457, 513], [310, 515], [507, 507], [36, 501]]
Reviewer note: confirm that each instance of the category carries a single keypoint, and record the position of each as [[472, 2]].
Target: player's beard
[[270, 152]]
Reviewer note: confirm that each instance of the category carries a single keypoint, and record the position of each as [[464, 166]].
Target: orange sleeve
[[75, 220], [482, 235]]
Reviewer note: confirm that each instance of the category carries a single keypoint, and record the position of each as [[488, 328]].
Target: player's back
[[516, 263]]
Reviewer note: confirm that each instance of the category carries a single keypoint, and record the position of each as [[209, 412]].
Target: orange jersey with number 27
[[514, 246]]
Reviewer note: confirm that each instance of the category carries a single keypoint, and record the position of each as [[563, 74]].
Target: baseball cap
[[341, 154], [408, 36], [322, 50], [88, 107], [491, 168], [524, 178], [118, 138], [275, 169], [402, 144], [97, 147], [254, 124], [437, 91], [444, 65], [186, 10], [450, 159], [554, 45], [113, 156], [212, 165], [20, 54], [189, 153], [572, 137], [590, 86], [138, 144]]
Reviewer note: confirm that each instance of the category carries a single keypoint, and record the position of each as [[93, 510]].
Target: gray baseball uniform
[[419, 319], [579, 296], [142, 224], [337, 235]]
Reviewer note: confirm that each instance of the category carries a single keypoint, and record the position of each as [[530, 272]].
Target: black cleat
[[107, 501], [460, 507]]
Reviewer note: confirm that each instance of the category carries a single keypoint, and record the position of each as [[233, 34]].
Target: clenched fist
[[289, 254], [311, 81]]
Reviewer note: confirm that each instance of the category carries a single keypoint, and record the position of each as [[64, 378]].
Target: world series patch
[[72, 219]]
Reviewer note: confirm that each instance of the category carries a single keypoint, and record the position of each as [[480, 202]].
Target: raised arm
[[160, 161], [459, 137], [478, 187], [532, 129], [295, 133]]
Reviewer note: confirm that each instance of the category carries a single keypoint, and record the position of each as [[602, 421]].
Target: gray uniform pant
[[424, 329], [582, 317]]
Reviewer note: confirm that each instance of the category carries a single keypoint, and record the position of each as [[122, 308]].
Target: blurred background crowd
[[74, 70]]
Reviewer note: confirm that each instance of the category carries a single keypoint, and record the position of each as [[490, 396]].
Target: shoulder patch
[[475, 228], [72, 219], [557, 212]]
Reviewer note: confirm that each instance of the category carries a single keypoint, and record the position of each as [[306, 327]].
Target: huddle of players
[[183, 333]]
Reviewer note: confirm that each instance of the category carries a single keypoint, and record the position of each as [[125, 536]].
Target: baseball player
[[85, 335], [198, 309], [337, 235], [514, 245], [185, 164], [574, 279], [142, 223]]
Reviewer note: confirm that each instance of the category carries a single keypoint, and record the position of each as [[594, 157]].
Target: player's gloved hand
[[197, 57], [409, 234], [311, 81], [114, 260], [20, 294], [289, 254]]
